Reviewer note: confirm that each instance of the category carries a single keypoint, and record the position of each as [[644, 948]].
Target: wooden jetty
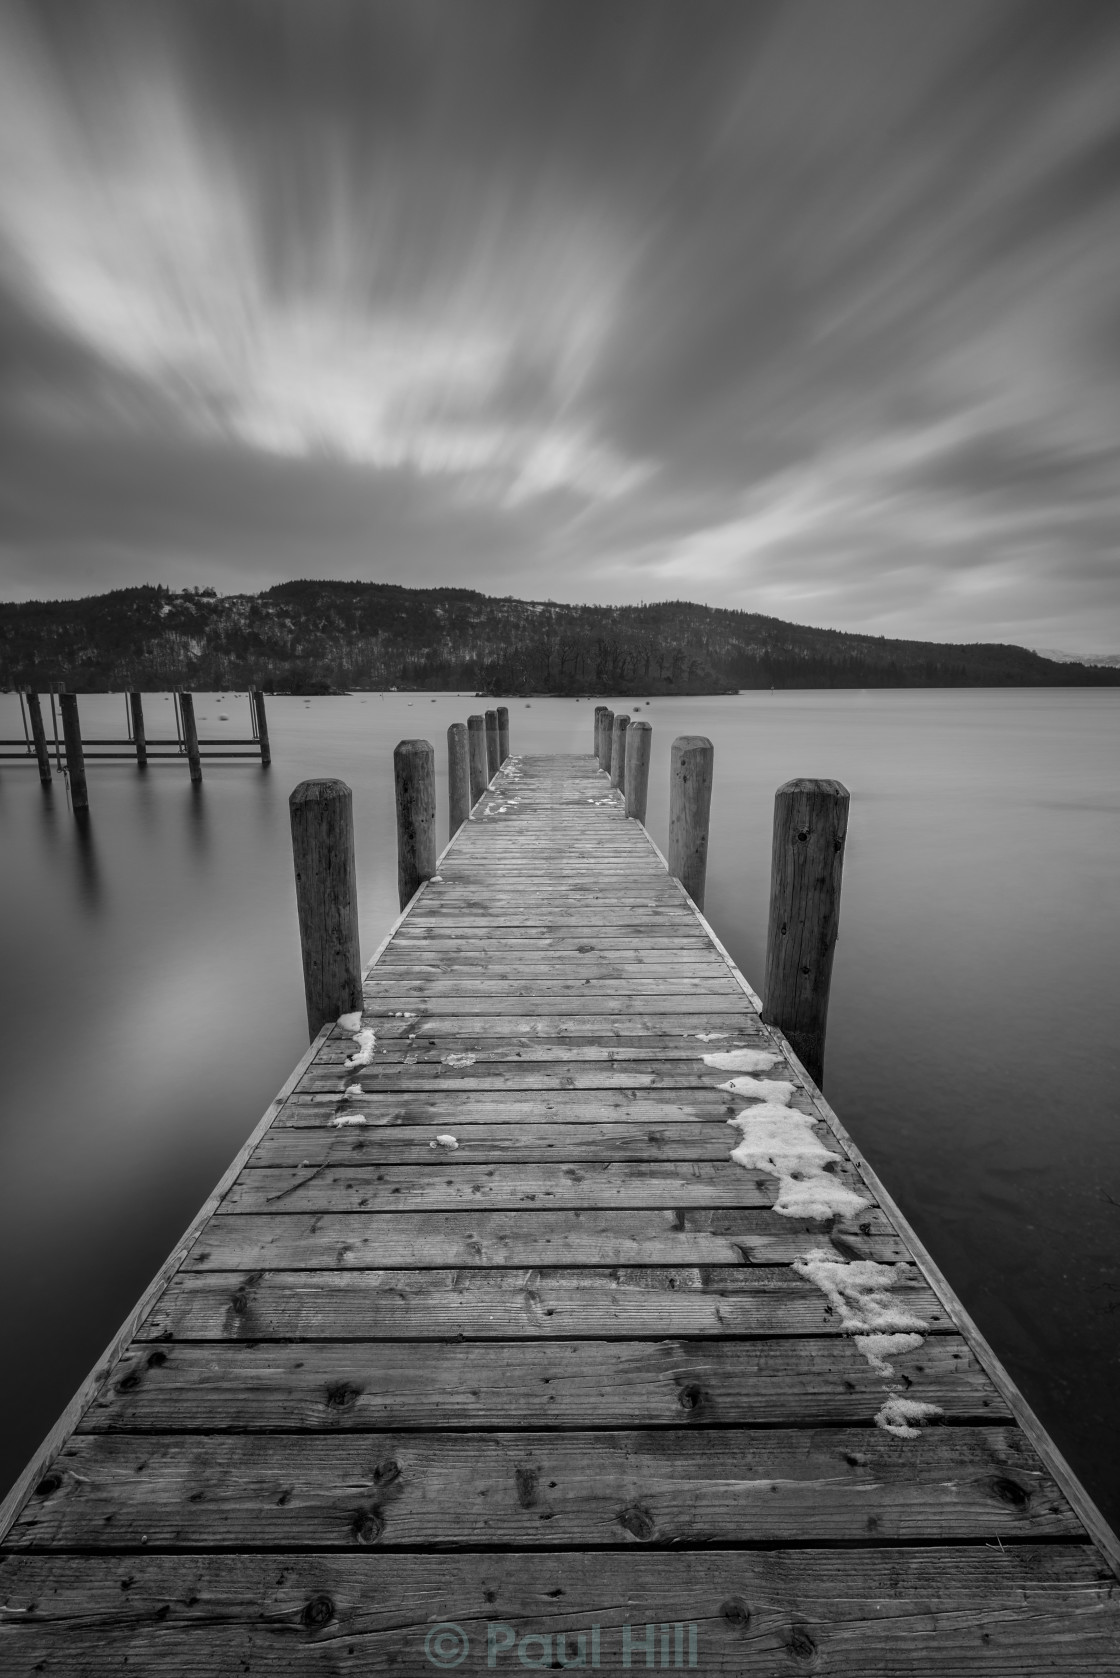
[[563, 1388]]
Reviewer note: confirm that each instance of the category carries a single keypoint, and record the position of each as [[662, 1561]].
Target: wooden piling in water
[[618, 751], [503, 734], [600, 713], [458, 778], [690, 803], [322, 818], [39, 737], [257, 698], [476, 743], [807, 862], [190, 735], [606, 727], [136, 712], [414, 775], [492, 761], [639, 743], [75, 756]]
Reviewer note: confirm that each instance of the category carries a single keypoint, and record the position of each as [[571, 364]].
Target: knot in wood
[[734, 1612], [317, 1613], [48, 1486], [367, 1525], [800, 1644]]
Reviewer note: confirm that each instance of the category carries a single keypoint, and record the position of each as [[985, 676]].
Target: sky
[[808, 307]]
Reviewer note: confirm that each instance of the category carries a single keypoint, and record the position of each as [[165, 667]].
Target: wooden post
[[458, 778], [39, 736], [618, 752], [190, 735], [600, 713], [690, 803], [503, 734], [75, 756], [257, 698], [414, 772], [322, 814], [639, 742], [491, 745], [807, 861], [605, 729], [136, 710], [476, 744]]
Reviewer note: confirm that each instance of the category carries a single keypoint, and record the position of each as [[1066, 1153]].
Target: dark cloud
[[806, 305]]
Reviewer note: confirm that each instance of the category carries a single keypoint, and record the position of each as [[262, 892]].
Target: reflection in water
[[90, 889], [198, 822]]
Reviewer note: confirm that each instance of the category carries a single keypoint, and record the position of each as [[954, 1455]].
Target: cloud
[[806, 307]]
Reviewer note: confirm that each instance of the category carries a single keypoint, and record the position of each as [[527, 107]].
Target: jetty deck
[[397, 1405]]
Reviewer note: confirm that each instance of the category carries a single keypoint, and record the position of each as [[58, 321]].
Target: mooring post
[[39, 737], [600, 713], [190, 735], [257, 698], [690, 803], [136, 711], [807, 862], [639, 741], [503, 734], [322, 814], [75, 756], [618, 752], [414, 772], [491, 745], [458, 778], [606, 727], [476, 745]]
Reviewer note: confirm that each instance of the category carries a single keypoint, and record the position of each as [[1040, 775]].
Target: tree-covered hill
[[327, 637]]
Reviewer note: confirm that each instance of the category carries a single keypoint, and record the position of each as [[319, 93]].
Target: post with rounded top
[[690, 804], [322, 817], [75, 756], [600, 713], [476, 750], [458, 778], [136, 713], [807, 861], [639, 742], [190, 735], [262, 727], [503, 734], [491, 745], [605, 731], [618, 752], [39, 737], [414, 772]]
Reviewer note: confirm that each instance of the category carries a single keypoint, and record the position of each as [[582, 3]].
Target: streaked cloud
[[806, 306]]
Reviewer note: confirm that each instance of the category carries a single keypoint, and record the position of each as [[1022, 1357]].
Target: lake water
[[151, 999]]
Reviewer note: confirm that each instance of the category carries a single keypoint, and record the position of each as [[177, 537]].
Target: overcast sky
[[806, 306]]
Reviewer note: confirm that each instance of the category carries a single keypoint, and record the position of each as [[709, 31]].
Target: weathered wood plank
[[720, 1301], [392, 1143], [473, 1104], [447, 1182], [544, 1490], [229, 1387], [687, 1235], [975, 1611]]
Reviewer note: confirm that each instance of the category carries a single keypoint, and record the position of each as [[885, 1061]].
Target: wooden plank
[[446, 1182], [719, 1301], [544, 1490], [976, 1611], [391, 1143], [372, 1241], [477, 1105], [229, 1387]]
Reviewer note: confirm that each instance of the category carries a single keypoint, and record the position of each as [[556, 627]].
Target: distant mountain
[[1097, 661], [322, 637]]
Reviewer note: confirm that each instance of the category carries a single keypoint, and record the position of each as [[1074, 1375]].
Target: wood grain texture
[[322, 824], [690, 802], [476, 751], [414, 779], [807, 861], [75, 755], [458, 778]]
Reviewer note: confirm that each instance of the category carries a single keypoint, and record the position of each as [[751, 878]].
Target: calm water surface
[[151, 1000]]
